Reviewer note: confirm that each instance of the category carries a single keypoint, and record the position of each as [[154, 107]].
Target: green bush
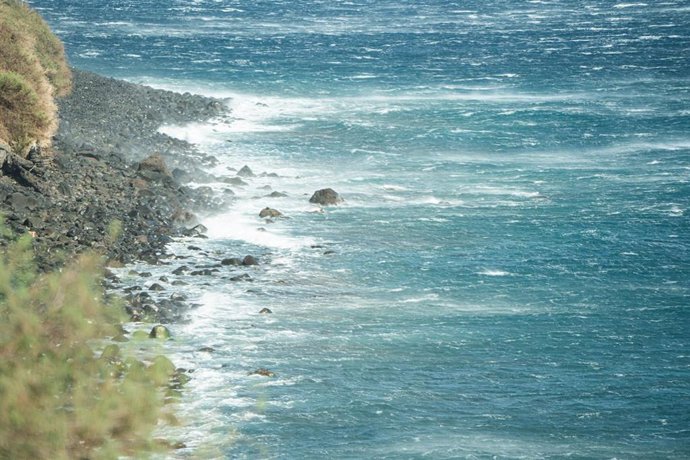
[[59, 399]]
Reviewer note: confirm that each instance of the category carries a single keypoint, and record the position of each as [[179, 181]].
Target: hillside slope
[[33, 71]]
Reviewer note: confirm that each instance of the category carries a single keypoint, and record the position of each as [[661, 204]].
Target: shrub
[[30, 51], [58, 398]]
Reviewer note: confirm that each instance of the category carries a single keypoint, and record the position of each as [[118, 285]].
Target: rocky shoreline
[[111, 173], [116, 185]]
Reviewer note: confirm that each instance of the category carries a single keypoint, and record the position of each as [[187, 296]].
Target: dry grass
[[33, 70]]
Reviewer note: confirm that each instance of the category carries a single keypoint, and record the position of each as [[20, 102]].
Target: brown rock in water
[[250, 260], [326, 197], [263, 372], [270, 212], [265, 311]]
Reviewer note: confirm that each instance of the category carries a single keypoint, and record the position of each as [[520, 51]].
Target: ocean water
[[509, 276]]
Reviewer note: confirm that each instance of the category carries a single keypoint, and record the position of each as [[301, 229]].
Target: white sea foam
[[493, 272], [421, 299], [489, 190], [90, 54], [394, 188], [675, 211], [629, 5], [195, 133], [266, 112], [237, 224]]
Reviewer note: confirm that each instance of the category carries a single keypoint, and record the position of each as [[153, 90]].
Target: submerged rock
[[325, 197], [204, 272], [181, 270], [265, 311], [231, 261], [276, 195], [234, 181]]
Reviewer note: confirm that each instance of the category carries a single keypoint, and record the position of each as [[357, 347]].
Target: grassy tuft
[[24, 117], [30, 52], [60, 399]]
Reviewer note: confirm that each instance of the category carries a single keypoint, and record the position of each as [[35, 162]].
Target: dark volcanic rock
[[196, 231], [276, 195], [326, 197], [245, 172], [21, 203], [231, 261], [204, 272], [180, 270], [250, 260]]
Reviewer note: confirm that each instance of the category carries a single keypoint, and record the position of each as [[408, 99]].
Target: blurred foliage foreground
[[66, 392]]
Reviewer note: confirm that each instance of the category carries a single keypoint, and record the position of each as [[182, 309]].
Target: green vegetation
[[33, 70], [59, 398]]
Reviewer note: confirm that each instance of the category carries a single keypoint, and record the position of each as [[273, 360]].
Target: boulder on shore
[[155, 163], [326, 197]]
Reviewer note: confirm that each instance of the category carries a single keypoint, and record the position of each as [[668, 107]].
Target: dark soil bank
[[110, 165]]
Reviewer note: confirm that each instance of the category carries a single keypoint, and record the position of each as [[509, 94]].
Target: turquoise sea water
[[510, 275]]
